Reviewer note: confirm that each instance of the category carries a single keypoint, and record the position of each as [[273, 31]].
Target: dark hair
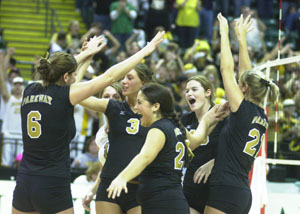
[[144, 73], [61, 35], [88, 143], [157, 93], [56, 66], [12, 61]]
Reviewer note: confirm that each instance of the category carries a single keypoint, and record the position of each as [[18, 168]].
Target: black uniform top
[[126, 137], [241, 139], [204, 152], [166, 169], [48, 127]]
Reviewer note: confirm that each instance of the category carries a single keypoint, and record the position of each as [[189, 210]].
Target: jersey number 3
[[250, 145], [134, 126], [33, 126]]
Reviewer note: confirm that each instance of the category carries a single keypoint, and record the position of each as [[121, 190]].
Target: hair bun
[[43, 68]]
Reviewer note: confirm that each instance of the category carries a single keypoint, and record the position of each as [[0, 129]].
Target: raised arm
[[3, 88], [233, 92], [115, 42], [153, 145], [207, 124], [83, 90], [241, 28]]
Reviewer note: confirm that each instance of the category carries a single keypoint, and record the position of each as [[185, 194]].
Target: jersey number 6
[[33, 126]]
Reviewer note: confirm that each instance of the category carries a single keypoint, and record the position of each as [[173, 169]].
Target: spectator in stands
[[12, 130], [84, 120], [101, 12], [72, 37], [89, 155], [187, 21], [159, 14], [290, 18], [90, 175], [239, 4], [206, 16], [121, 56], [60, 45], [122, 14], [135, 42], [255, 36], [94, 30], [297, 103], [4, 94], [290, 136]]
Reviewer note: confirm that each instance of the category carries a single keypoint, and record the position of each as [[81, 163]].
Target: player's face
[[111, 93], [131, 83], [144, 108], [195, 95]]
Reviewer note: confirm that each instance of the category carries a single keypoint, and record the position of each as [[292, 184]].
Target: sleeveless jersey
[[240, 141], [126, 137], [205, 152], [166, 169], [48, 127]]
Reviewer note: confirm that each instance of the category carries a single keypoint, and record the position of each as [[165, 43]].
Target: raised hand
[[152, 45], [223, 24], [116, 187], [95, 44], [243, 26]]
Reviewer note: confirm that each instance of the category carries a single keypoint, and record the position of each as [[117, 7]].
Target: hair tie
[[265, 82]]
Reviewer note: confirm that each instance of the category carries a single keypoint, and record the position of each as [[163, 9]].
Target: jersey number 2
[[178, 160], [33, 126], [250, 145]]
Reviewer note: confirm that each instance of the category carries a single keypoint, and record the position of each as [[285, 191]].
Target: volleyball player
[[162, 157], [126, 137], [199, 95], [113, 91], [43, 182], [244, 130]]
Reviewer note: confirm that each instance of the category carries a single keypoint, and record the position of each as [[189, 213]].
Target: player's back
[[48, 127]]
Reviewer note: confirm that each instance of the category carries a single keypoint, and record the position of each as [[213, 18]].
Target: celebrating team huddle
[[149, 145]]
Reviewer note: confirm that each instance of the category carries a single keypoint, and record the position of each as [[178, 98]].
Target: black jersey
[[48, 127], [126, 137], [166, 169], [240, 141], [205, 152]]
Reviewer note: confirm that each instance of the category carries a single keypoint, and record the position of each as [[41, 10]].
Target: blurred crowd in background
[[191, 46]]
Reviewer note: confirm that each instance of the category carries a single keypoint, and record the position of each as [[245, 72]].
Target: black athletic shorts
[[168, 201], [195, 194], [45, 194], [229, 199], [125, 201]]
